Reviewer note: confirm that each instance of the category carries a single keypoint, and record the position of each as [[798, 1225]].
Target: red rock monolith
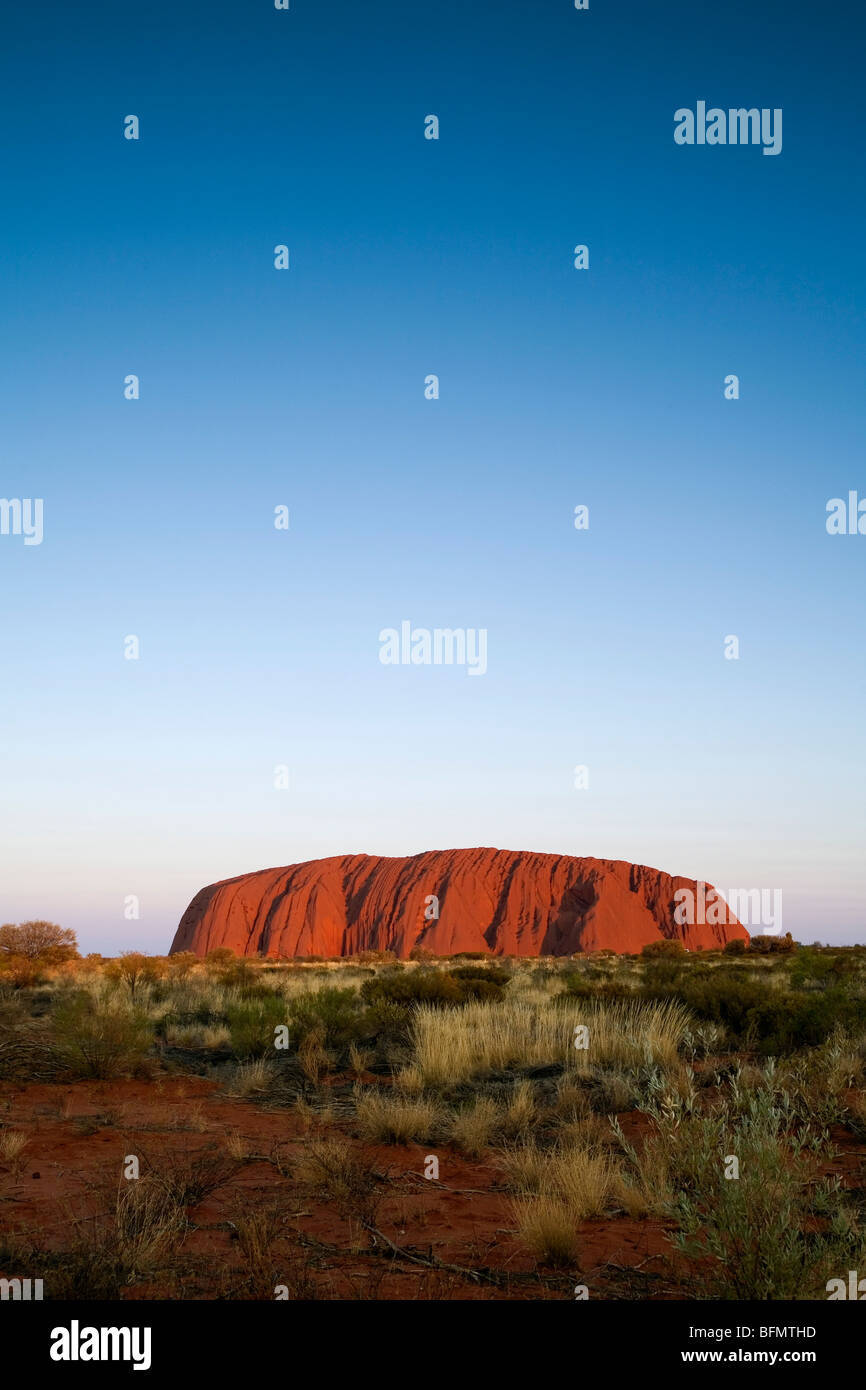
[[506, 902]]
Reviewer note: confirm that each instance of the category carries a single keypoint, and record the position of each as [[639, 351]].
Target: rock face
[[502, 901]]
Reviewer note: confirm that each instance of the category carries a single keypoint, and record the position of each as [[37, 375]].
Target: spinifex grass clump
[[558, 1189], [392, 1117], [452, 1046]]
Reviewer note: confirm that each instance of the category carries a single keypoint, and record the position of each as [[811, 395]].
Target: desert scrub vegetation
[[689, 1059], [186, 1177], [775, 1007], [251, 1023], [742, 1180], [474, 1126], [251, 1079], [267, 1259], [95, 1039], [392, 1117], [437, 987], [454, 1046], [557, 1190], [136, 1229], [445, 1021], [346, 1180]]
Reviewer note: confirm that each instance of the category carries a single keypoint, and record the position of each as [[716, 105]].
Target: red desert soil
[[463, 1220], [79, 1137], [502, 901]]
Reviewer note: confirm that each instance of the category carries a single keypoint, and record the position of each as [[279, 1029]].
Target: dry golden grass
[[857, 1115], [453, 1045], [347, 1180], [198, 1035], [473, 1127], [524, 1166], [305, 1113], [359, 1059], [396, 1118], [313, 1056], [545, 1227], [250, 1078], [148, 1223], [558, 1190], [572, 1099], [647, 1188], [237, 1147], [633, 1197], [589, 1131], [12, 1144], [521, 1110], [582, 1177]]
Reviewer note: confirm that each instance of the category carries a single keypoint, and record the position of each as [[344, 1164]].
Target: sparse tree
[[39, 941], [182, 963], [134, 968]]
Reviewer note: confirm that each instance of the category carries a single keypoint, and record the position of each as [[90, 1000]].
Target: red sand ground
[[462, 1220]]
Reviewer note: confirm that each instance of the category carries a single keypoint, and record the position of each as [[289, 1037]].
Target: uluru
[[504, 902]]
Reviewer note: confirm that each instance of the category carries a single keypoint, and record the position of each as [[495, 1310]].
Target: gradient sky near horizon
[[306, 388]]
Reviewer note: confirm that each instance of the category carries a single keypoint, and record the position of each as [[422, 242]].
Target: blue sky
[[306, 388]]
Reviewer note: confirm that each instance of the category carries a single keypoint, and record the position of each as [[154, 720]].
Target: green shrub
[[492, 974], [771, 945], [811, 967], [93, 1040], [334, 1014], [578, 986], [755, 1237], [665, 947], [387, 1019], [252, 1022], [442, 988], [774, 1021], [200, 1016], [737, 946]]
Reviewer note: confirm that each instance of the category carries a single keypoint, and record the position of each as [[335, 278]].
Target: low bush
[[666, 947], [252, 1022], [438, 988], [775, 1021], [95, 1040], [333, 1014]]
